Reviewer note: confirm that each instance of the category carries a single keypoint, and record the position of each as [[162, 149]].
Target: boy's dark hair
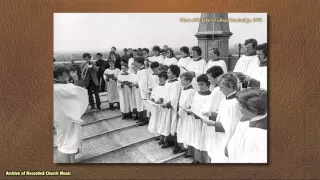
[[139, 49], [139, 59], [145, 49], [59, 70], [171, 52], [216, 51], [164, 68], [86, 55], [185, 49], [197, 49], [154, 64], [113, 48], [253, 41], [135, 50], [264, 48], [163, 74], [163, 51], [203, 78], [215, 71], [156, 48], [125, 49], [175, 70], [99, 54], [187, 76], [125, 65]]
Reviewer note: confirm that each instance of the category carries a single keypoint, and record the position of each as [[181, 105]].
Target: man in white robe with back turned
[[70, 103]]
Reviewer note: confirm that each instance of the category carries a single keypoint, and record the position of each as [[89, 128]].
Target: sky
[[101, 31]]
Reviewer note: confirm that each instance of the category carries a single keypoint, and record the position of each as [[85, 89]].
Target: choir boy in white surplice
[[143, 75], [210, 108], [110, 76], [249, 141], [258, 77], [135, 101], [157, 55], [186, 97], [124, 92], [185, 59], [70, 103], [169, 115], [248, 62], [131, 60], [153, 79], [216, 60], [196, 66], [157, 97], [170, 59], [196, 123], [226, 118]]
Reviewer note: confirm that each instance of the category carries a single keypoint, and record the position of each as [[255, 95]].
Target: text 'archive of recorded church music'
[[38, 173]]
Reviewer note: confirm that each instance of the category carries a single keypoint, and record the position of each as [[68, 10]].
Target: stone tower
[[214, 34]]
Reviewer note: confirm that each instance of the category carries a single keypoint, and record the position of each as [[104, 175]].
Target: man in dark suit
[[91, 82], [101, 64]]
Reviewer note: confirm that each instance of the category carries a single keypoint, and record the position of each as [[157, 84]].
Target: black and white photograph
[[160, 88]]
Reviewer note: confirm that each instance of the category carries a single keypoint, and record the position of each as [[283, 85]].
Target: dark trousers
[[103, 83], [93, 88]]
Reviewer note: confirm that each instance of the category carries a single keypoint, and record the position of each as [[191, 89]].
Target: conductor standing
[[89, 75]]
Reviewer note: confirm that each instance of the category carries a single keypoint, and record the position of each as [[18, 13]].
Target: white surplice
[[169, 61], [158, 92], [220, 63], [143, 75], [208, 132], [198, 67], [135, 101], [70, 103], [130, 61], [228, 115], [248, 144], [183, 63], [168, 120], [195, 124], [113, 94], [124, 93], [247, 64], [153, 81], [260, 74], [184, 119], [158, 59]]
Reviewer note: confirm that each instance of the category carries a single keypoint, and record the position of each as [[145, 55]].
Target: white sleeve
[[200, 69]]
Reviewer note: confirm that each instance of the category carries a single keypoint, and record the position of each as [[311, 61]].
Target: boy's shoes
[[161, 142], [136, 118], [186, 155], [166, 145], [176, 150], [195, 162], [143, 123], [157, 138]]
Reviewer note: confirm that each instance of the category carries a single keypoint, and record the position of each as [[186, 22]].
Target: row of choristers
[[199, 108]]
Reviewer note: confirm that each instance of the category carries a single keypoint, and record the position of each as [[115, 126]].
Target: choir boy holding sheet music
[[124, 92], [110, 76], [195, 124]]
